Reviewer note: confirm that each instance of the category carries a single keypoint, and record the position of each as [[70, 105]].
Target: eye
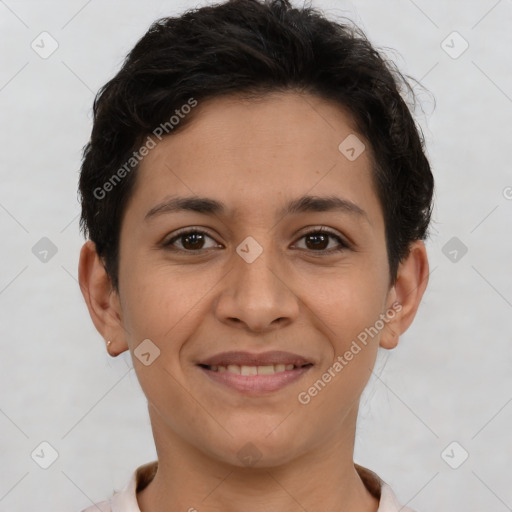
[[318, 241], [192, 240]]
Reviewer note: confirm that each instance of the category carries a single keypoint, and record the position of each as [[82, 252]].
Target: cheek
[[350, 307], [348, 318], [159, 312], [158, 308], [160, 298], [349, 303]]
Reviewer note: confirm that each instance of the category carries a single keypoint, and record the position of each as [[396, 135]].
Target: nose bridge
[[254, 269], [256, 294]]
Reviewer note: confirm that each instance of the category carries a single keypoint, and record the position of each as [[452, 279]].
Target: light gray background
[[450, 378]]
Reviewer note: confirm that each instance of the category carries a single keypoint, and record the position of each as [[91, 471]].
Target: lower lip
[[256, 384]]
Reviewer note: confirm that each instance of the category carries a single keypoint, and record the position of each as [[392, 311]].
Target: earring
[[108, 343]]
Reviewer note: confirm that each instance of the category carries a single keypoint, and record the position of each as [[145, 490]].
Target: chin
[[261, 450]]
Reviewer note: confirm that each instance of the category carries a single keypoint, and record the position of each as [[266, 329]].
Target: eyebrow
[[302, 204]]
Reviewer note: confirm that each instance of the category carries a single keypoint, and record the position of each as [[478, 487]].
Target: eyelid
[[343, 243], [185, 231]]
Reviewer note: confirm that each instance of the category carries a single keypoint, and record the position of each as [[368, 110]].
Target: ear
[[102, 300], [405, 294]]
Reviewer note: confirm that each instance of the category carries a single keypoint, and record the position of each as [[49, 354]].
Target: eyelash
[[343, 245]]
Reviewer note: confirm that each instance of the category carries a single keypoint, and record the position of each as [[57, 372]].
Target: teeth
[[265, 370], [253, 370], [248, 370]]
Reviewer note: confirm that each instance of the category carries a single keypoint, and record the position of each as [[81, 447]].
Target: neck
[[324, 479]]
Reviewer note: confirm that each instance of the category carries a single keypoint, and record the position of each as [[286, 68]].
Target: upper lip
[[251, 359]]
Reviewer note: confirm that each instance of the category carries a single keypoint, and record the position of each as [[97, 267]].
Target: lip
[[241, 358], [256, 384]]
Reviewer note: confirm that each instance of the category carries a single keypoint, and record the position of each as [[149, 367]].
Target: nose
[[257, 296]]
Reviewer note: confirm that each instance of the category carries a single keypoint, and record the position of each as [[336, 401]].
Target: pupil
[[318, 238], [196, 241]]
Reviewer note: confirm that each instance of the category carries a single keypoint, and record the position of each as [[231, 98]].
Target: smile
[[255, 380], [253, 370]]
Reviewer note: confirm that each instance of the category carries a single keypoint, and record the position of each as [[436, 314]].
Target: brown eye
[[319, 240], [190, 241]]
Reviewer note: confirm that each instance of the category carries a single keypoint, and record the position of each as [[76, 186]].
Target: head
[[257, 125]]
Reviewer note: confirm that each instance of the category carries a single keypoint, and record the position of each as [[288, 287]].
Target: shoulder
[[126, 499], [388, 501], [104, 506]]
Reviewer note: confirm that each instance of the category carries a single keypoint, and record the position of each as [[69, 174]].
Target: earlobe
[[389, 336], [102, 301], [405, 295]]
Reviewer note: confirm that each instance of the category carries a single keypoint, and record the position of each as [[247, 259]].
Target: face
[[247, 273]]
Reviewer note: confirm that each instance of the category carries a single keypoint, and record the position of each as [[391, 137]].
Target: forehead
[[258, 154]]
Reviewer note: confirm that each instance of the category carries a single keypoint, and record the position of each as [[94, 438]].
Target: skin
[[254, 156]]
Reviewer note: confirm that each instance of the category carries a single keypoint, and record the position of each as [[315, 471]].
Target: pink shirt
[[126, 499]]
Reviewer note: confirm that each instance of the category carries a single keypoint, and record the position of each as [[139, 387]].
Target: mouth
[[269, 358], [269, 369], [255, 374]]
